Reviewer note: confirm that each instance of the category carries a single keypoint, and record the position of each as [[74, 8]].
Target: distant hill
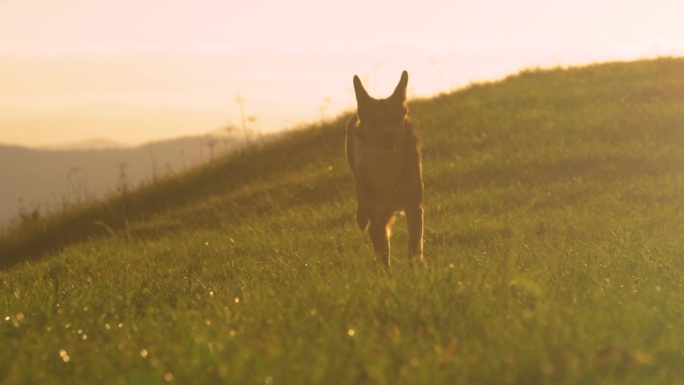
[[139, 123], [89, 144], [49, 179]]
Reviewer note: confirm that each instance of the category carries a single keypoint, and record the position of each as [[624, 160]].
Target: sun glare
[[291, 64]]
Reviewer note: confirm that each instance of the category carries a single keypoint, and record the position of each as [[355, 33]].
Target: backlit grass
[[554, 239]]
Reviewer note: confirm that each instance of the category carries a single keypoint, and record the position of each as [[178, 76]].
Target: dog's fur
[[384, 155]]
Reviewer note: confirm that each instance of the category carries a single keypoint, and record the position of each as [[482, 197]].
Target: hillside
[[554, 221], [47, 180]]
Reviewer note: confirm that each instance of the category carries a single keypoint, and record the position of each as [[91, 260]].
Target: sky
[[71, 70]]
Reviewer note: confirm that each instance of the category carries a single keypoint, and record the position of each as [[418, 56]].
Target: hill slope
[[554, 214], [47, 180]]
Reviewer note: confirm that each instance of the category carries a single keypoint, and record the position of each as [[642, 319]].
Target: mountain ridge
[[48, 178]]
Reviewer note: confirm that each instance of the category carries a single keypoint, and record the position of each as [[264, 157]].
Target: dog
[[384, 154]]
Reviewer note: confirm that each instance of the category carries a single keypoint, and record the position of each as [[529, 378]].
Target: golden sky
[[291, 61]]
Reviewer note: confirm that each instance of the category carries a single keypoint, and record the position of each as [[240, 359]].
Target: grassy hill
[[554, 238]]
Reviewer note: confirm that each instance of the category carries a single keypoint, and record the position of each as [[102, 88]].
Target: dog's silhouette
[[383, 152]]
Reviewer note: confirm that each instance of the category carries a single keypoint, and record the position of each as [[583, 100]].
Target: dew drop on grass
[[144, 353], [108, 326], [168, 377], [351, 332], [65, 356], [237, 300]]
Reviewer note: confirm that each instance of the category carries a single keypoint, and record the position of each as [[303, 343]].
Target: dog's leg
[[379, 234], [414, 220], [362, 210], [361, 217]]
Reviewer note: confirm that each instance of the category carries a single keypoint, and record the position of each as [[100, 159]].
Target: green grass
[[554, 238]]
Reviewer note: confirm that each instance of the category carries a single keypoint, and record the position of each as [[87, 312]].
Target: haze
[[151, 69]]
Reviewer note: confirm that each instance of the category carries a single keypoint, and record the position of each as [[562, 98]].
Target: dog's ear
[[361, 94], [400, 92]]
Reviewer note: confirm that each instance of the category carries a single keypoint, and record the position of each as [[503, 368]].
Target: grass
[[554, 222]]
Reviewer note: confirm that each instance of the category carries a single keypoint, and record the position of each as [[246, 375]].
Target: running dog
[[384, 154]]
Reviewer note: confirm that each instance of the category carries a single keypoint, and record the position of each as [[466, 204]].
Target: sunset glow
[[291, 62]]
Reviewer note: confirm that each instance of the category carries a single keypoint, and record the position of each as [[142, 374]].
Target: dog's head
[[382, 121]]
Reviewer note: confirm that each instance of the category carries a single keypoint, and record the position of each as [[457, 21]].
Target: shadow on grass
[[33, 241]]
